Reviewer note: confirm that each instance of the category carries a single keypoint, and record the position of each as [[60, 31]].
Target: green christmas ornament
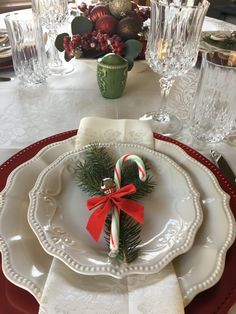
[[120, 8]]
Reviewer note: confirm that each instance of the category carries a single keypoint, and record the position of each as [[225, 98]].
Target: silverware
[[6, 79], [223, 165]]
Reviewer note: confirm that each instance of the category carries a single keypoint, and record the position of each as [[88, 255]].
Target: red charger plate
[[217, 299], [6, 64]]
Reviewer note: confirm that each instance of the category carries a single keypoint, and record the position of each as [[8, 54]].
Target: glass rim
[[19, 16], [205, 3], [206, 56]]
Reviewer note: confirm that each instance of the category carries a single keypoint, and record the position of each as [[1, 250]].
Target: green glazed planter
[[112, 72]]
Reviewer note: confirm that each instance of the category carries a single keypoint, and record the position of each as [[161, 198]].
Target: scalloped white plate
[[58, 215], [26, 264]]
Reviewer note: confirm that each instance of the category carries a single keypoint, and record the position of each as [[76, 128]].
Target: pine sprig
[[97, 165], [129, 237], [130, 175]]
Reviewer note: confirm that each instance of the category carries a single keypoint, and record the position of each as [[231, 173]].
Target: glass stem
[[165, 84], [54, 59]]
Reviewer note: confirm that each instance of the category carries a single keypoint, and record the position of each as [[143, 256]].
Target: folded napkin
[[68, 292]]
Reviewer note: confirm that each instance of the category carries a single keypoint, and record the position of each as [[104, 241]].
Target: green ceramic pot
[[112, 72]]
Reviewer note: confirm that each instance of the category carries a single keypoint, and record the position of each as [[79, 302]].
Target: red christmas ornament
[[128, 28], [98, 11], [106, 24]]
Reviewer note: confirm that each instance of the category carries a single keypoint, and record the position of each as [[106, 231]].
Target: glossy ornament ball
[[106, 24], [137, 17], [128, 28], [120, 8], [97, 12]]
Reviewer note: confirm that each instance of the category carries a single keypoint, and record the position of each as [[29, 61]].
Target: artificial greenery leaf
[[81, 25], [59, 41], [67, 58], [133, 48], [130, 63]]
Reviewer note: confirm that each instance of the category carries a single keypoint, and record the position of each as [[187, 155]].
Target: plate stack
[[188, 220]]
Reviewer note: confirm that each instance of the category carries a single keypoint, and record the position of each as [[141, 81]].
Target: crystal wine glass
[[53, 14], [172, 50]]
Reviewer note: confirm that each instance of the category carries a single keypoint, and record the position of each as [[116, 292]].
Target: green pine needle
[[129, 237], [97, 165], [130, 175]]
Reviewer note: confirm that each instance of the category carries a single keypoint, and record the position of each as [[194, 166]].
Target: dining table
[[31, 117]]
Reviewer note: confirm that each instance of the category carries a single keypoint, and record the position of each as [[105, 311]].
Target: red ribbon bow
[[98, 217]]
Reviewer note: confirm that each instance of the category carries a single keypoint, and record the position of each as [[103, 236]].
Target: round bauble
[[106, 24], [137, 17], [128, 28], [120, 8], [98, 11]]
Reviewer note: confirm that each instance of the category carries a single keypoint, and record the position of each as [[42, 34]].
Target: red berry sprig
[[92, 41]]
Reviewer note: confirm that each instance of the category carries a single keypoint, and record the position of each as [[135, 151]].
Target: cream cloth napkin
[[67, 292]]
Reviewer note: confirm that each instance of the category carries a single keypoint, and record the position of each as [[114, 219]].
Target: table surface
[[30, 114]]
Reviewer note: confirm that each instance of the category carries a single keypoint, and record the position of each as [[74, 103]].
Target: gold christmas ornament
[[120, 8]]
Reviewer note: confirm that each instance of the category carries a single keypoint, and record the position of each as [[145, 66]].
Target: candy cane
[[115, 219]]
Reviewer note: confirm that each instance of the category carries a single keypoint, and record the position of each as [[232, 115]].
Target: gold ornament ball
[[119, 8]]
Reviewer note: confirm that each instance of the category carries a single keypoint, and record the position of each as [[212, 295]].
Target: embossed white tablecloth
[[27, 115]]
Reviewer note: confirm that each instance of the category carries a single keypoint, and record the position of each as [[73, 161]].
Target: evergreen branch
[[97, 165], [129, 237], [130, 175]]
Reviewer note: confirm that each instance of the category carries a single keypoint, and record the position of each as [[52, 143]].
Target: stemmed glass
[[172, 50], [52, 14]]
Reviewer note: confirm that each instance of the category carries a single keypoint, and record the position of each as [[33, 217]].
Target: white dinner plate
[[26, 264], [58, 215]]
